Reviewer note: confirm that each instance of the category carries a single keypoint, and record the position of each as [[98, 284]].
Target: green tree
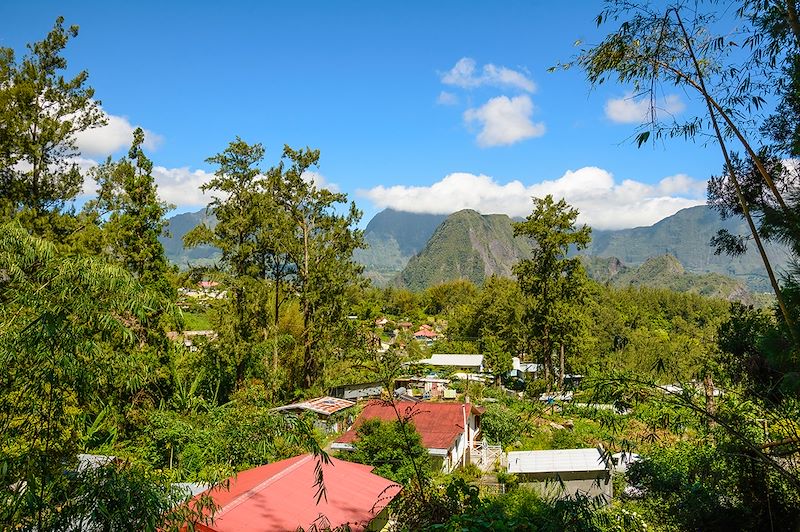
[[62, 319], [676, 45], [383, 445], [554, 285], [128, 196], [319, 243], [41, 111], [238, 204]]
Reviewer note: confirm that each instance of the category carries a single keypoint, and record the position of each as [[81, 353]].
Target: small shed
[[330, 411], [563, 472]]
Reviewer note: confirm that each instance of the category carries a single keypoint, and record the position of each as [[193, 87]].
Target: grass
[[197, 321]]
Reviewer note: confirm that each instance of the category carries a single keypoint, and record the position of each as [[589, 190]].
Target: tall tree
[[41, 111], [238, 204], [320, 246], [675, 45], [128, 196], [554, 285]]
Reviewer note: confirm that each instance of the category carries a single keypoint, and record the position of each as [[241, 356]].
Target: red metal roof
[[427, 333], [439, 424], [281, 496]]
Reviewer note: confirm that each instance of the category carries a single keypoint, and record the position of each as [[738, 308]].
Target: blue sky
[[427, 106]]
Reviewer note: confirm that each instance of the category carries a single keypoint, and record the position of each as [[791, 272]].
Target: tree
[[383, 445], [128, 196], [553, 285], [40, 114], [319, 243], [61, 321], [239, 203], [653, 47]]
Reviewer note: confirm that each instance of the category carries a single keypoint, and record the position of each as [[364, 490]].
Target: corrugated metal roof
[[321, 405], [281, 496], [556, 461], [457, 360], [438, 424]]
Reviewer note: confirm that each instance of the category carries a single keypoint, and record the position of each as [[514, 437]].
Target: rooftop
[[439, 424], [282, 496], [556, 461], [321, 405], [457, 360]]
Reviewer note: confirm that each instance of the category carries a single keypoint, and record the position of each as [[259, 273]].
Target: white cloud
[[504, 121], [182, 186], [319, 180], [447, 98], [466, 75], [629, 110], [118, 133], [603, 203]]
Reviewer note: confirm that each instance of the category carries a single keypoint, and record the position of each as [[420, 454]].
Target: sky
[[417, 106]]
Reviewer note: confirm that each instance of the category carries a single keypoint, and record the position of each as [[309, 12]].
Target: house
[[426, 334], [283, 496], [523, 370], [426, 387], [380, 322], [563, 472], [354, 392], [331, 411], [457, 362], [448, 430]]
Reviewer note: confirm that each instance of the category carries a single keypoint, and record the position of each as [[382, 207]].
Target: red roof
[[282, 496], [427, 333], [439, 424]]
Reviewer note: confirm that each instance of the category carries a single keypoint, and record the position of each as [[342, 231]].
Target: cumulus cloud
[[320, 181], [629, 110], [181, 187], [504, 121], [177, 186], [466, 75], [447, 98], [602, 201], [116, 134]]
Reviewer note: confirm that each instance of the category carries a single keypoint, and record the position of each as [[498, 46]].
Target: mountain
[[466, 245], [685, 235], [665, 271], [393, 237], [179, 225]]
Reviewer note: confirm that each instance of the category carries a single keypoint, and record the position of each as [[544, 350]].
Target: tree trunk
[[561, 367], [712, 105]]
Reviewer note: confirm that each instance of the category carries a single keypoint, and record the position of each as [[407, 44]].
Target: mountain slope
[[393, 237], [685, 235], [466, 245], [666, 271], [179, 225]]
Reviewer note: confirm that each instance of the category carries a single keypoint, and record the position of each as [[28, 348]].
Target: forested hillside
[[467, 245], [392, 238], [686, 235]]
